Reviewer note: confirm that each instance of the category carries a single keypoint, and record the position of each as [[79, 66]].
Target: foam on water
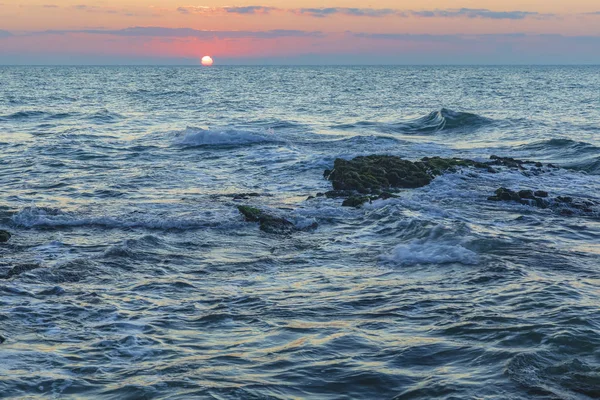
[[44, 217], [221, 137], [419, 252]]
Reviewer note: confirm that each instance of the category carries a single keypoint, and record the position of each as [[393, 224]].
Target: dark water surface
[[137, 277]]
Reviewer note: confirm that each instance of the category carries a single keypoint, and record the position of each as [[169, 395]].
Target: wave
[[567, 378], [216, 137], [436, 246], [104, 116], [434, 122], [46, 217], [418, 252], [35, 115], [590, 165], [560, 144], [570, 154]]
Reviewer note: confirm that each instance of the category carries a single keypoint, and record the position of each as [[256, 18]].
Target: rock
[[437, 165], [2, 339], [526, 194], [244, 196], [19, 269], [369, 173], [564, 199], [268, 223], [335, 194], [355, 201], [4, 236], [250, 213], [507, 194], [539, 198], [508, 162], [378, 173], [310, 197]]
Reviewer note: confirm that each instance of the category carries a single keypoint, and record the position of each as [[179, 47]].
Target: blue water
[[140, 279]]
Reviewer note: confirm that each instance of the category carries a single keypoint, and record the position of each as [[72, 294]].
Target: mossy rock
[[437, 165], [250, 213], [367, 174]]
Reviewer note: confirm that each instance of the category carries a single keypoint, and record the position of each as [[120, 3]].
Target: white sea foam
[[213, 137], [32, 217]]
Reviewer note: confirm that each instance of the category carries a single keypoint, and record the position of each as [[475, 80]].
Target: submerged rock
[[244, 196], [539, 198], [268, 223], [4, 236], [19, 269]]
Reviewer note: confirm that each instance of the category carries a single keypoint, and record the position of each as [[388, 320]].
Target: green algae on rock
[[366, 174], [376, 173]]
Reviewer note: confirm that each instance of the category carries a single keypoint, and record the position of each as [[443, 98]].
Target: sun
[[207, 61]]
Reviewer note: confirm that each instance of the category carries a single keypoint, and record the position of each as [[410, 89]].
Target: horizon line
[[311, 65]]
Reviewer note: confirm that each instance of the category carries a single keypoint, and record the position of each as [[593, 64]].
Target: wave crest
[[221, 137], [434, 122]]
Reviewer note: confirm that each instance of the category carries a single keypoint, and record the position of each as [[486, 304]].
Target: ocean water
[[137, 278]]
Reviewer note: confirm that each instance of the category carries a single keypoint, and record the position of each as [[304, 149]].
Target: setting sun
[[207, 61]]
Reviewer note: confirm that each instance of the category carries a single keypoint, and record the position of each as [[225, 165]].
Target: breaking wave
[[220, 137]]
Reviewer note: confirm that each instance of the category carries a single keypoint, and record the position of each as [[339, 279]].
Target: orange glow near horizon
[[248, 28]]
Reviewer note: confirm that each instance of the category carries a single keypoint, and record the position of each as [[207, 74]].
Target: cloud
[[159, 45], [479, 13], [325, 12], [250, 10], [153, 31], [354, 12], [107, 10], [247, 10]]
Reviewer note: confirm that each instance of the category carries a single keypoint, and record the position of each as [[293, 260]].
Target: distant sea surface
[[131, 274]]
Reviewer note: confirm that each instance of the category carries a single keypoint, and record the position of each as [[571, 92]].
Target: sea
[[131, 274]]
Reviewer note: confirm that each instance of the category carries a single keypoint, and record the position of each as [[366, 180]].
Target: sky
[[255, 32]]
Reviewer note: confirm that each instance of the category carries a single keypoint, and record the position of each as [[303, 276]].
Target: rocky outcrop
[[377, 173], [368, 178]]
